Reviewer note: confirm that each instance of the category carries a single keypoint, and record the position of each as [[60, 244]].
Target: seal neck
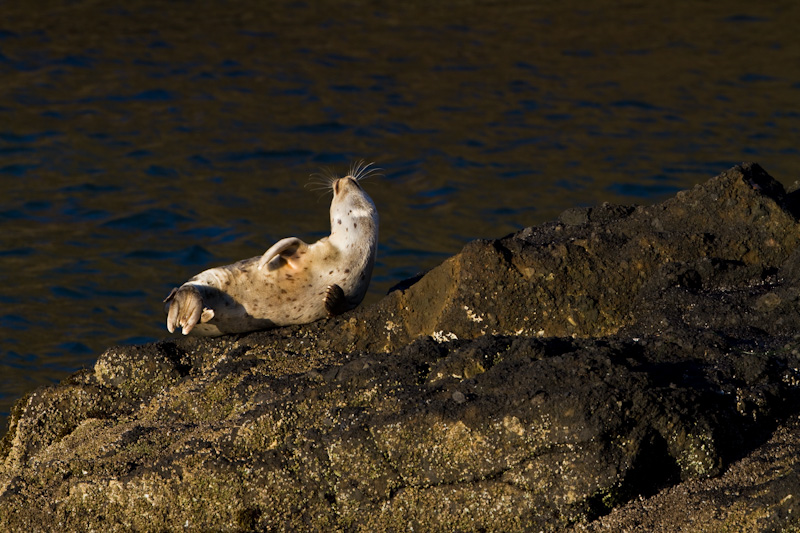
[[354, 218], [354, 224]]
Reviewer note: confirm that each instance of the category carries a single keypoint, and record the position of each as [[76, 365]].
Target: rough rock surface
[[622, 368]]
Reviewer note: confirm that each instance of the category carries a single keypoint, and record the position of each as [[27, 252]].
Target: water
[[142, 144]]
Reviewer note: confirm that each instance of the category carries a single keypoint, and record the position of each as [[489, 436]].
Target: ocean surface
[[143, 143]]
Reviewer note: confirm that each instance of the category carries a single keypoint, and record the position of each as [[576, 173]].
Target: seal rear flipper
[[185, 308], [284, 250], [171, 295], [335, 300]]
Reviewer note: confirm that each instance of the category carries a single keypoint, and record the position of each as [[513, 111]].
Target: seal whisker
[[318, 186], [371, 173], [322, 180], [361, 171], [358, 168], [355, 168]]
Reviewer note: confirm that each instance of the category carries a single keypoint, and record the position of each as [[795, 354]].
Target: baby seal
[[293, 282]]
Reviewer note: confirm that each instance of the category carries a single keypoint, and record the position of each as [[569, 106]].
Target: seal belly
[[245, 298]]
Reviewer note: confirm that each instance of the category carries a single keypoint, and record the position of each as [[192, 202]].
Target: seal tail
[[185, 308]]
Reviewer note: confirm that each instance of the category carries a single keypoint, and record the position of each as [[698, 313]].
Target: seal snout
[[342, 185]]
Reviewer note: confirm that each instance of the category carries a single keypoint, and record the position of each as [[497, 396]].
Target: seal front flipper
[[186, 309], [288, 250], [335, 300]]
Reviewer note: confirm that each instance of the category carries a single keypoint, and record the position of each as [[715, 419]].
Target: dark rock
[[535, 382]]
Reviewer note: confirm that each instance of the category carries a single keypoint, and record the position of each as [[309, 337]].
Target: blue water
[[142, 144]]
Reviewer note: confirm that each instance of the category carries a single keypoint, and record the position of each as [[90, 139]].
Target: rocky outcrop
[[558, 378]]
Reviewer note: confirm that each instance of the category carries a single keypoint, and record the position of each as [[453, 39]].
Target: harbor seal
[[293, 282]]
